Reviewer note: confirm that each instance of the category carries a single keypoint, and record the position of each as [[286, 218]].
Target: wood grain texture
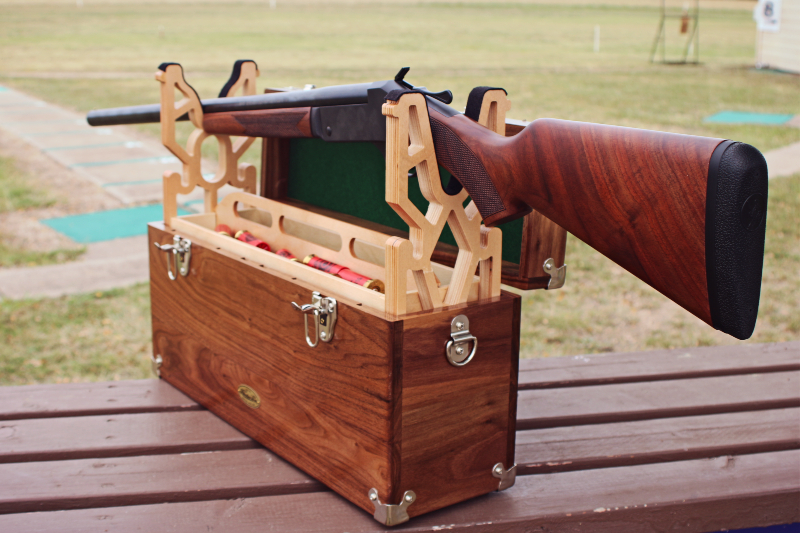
[[94, 483], [565, 449], [287, 123], [141, 480], [341, 411], [726, 493], [83, 399], [274, 168], [325, 409], [455, 422], [636, 196], [661, 399], [116, 436], [659, 365]]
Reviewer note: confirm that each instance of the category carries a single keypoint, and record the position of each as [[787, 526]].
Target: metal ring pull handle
[[460, 338]]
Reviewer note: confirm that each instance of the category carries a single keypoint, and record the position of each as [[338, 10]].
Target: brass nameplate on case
[[249, 396]]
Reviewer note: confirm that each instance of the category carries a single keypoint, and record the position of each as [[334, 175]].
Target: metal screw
[[373, 496], [459, 325], [408, 498], [322, 334], [459, 350], [330, 308], [499, 469]]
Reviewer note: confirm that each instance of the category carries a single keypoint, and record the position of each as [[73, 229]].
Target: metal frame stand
[[692, 45]]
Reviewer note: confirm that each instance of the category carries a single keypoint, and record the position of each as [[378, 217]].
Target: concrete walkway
[[123, 162], [783, 162]]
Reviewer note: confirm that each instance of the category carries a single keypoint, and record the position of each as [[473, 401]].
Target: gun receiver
[[684, 214]]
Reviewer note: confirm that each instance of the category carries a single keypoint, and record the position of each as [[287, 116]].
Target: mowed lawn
[[105, 54]]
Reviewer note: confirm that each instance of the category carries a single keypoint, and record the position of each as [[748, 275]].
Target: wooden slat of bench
[[158, 433], [88, 483], [653, 441], [49, 439], [730, 493], [656, 365], [622, 402], [85, 399]]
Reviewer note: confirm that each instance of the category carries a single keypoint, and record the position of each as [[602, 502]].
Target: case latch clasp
[[182, 250], [324, 310]]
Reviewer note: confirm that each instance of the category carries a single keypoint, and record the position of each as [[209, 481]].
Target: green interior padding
[[349, 178]]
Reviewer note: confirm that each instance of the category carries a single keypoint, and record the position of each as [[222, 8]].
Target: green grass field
[[104, 55]]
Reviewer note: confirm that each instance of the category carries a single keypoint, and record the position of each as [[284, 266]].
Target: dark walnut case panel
[[379, 406]]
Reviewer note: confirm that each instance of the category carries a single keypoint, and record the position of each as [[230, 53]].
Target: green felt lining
[[349, 178]]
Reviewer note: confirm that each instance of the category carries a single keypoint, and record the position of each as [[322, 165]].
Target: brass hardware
[[458, 344], [506, 477], [155, 364], [325, 311], [557, 275], [182, 250], [249, 396], [388, 514]]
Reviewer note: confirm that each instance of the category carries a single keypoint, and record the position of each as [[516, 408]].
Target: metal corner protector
[[506, 477], [389, 514]]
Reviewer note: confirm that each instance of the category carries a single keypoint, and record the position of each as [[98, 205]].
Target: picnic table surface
[[697, 440]]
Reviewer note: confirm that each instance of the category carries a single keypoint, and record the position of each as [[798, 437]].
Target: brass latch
[[324, 311], [182, 250]]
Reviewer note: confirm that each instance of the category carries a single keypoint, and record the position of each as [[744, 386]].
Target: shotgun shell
[[283, 252], [344, 273], [222, 229], [246, 236]]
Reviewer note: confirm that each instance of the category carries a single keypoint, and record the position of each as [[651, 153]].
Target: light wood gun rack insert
[[228, 172], [413, 281]]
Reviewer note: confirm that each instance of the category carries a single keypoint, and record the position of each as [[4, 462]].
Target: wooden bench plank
[[653, 441], [89, 483], [85, 399], [157, 433], [117, 435], [657, 365], [726, 493], [600, 404]]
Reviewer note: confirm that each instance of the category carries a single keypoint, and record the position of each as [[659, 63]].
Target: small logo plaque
[[249, 396]]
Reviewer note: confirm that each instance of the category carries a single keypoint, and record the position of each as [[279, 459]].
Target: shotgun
[[685, 214]]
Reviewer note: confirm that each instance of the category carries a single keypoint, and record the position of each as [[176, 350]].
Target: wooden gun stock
[[684, 214], [293, 122]]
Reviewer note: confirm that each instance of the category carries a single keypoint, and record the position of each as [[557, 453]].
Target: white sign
[[767, 15]]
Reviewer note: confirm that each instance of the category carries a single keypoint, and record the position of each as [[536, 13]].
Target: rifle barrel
[[324, 96]]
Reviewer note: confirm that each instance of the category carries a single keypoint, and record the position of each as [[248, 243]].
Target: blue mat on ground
[[108, 225], [745, 117]]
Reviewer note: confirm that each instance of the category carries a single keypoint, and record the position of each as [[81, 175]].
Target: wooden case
[[378, 407], [376, 411]]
